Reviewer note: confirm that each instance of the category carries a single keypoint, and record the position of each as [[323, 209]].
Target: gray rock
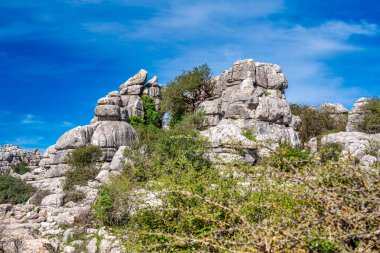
[[107, 112], [53, 200], [113, 134], [364, 147], [270, 76], [73, 138], [92, 246], [138, 79]]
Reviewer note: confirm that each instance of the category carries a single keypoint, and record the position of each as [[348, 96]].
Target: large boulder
[[250, 95]]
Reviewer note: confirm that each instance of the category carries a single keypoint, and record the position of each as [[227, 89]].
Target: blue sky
[[58, 57]]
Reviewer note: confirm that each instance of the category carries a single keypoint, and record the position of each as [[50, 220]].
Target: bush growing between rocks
[[170, 198], [21, 167], [83, 166], [314, 123], [183, 94], [13, 190], [151, 115]]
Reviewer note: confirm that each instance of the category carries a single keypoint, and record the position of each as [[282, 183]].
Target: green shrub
[[84, 156], [287, 158], [135, 120], [184, 93], [321, 245], [249, 135], [314, 123], [21, 167], [151, 116], [372, 116], [171, 198], [13, 190], [83, 166]]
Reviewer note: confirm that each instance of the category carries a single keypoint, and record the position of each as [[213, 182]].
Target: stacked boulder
[[11, 155], [250, 96], [109, 128]]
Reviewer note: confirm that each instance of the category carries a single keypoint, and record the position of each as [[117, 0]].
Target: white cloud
[[67, 124], [30, 119]]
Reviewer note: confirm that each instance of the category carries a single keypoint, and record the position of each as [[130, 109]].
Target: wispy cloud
[[222, 32], [67, 124], [31, 119]]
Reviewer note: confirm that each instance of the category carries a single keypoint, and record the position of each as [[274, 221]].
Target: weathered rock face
[[11, 155], [251, 96], [361, 146], [356, 116], [28, 226]]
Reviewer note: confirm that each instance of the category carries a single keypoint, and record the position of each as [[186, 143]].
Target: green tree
[[184, 93]]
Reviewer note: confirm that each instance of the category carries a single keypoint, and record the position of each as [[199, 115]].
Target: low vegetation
[[83, 166], [13, 190], [21, 167], [315, 123], [171, 198]]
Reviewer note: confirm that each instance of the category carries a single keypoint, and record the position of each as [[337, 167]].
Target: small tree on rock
[[186, 91]]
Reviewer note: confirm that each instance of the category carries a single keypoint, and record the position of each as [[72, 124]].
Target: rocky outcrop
[[356, 116], [12, 155], [365, 148], [251, 96], [37, 226]]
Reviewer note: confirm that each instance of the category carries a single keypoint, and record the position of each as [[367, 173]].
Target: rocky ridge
[[12, 155], [28, 226], [250, 96]]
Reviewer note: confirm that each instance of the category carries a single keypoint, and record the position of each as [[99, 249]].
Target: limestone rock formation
[[251, 96], [356, 116], [11, 155], [36, 227], [361, 146]]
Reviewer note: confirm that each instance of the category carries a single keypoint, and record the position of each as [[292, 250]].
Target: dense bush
[[21, 167], [83, 166], [314, 123], [151, 115], [372, 116], [288, 158], [183, 94], [330, 152], [170, 198], [13, 190]]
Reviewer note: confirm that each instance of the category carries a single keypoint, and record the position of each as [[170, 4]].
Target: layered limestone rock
[[250, 96], [356, 116], [12, 155]]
